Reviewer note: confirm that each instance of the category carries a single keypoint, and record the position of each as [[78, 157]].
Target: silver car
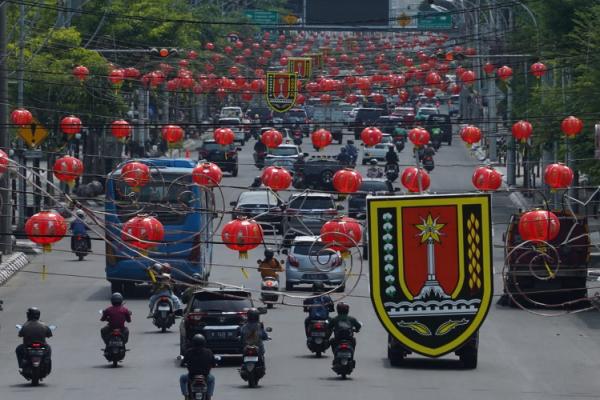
[[285, 155], [306, 213], [309, 261]]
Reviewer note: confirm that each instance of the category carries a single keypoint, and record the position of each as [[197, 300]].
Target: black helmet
[[373, 162], [342, 308], [198, 340], [253, 315], [318, 287], [269, 253], [33, 314], [350, 141], [116, 299]]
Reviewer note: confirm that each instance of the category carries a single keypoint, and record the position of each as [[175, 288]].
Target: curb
[[12, 265]]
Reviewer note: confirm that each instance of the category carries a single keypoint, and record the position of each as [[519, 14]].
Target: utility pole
[[21, 182], [5, 206]]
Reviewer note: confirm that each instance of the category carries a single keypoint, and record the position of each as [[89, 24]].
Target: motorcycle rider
[[253, 332], [391, 157], [260, 151], [199, 360], [270, 266], [32, 331], [80, 228], [255, 126], [344, 158], [163, 289], [374, 171], [343, 325], [318, 307], [188, 293], [116, 315], [351, 150]]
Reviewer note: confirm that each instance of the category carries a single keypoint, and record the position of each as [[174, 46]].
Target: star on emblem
[[430, 229]]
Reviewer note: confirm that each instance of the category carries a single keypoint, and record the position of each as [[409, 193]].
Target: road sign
[[262, 17], [34, 134], [434, 21], [290, 19], [431, 271], [32, 154], [404, 20]]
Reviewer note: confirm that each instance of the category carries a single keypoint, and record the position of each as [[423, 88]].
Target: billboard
[[347, 12]]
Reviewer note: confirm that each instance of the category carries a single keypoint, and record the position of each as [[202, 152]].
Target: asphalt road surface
[[521, 356]]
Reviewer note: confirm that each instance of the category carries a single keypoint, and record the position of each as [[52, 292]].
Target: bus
[[186, 212]]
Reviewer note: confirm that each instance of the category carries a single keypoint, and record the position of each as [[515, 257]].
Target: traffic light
[[163, 53]]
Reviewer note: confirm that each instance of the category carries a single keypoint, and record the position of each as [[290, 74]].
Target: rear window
[[258, 198], [370, 115], [374, 186], [312, 203], [221, 302], [215, 146], [295, 114], [303, 248], [284, 151]]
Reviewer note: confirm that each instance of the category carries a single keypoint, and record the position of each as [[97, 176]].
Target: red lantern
[[21, 116], [207, 174], [404, 96], [224, 136], [504, 73], [209, 46], [300, 99], [347, 180], [321, 138], [411, 177], [172, 134], [341, 233], [538, 69], [468, 77], [418, 136], [45, 228], [70, 125], [325, 98], [80, 72], [120, 129], [242, 235], [571, 126], [522, 130], [271, 138], [4, 161], [135, 174], [378, 98], [276, 178], [470, 135], [489, 68], [68, 169], [116, 77], [143, 232], [539, 226], [558, 176], [132, 73], [487, 179], [371, 136], [351, 99], [433, 79], [430, 93]]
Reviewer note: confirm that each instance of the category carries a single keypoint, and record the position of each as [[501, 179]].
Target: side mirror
[[52, 327], [100, 312], [284, 251], [233, 203], [262, 310], [305, 154], [339, 207], [269, 329], [19, 327]]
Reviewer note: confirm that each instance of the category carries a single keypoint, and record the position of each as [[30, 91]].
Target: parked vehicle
[[262, 206], [308, 261], [306, 213], [226, 157]]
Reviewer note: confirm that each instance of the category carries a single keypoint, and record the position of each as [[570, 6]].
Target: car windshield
[[284, 151], [312, 203], [295, 114], [303, 248], [368, 115], [428, 111], [215, 146], [230, 112], [221, 302], [257, 198], [374, 186]]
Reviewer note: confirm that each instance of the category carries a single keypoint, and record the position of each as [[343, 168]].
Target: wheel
[[252, 382], [289, 286], [341, 289], [115, 363], [395, 357], [343, 376], [318, 354], [163, 329], [35, 381], [327, 176], [365, 253], [234, 173], [468, 356], [81, 256]]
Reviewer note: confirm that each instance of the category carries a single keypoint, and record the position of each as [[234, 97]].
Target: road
[[521, 356]]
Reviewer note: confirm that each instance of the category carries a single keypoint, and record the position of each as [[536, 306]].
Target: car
[[231, 112], [306, 213], [378, 151], [235, 124], [424, 112], [217, 314], [454, 105], [261, 205], [365, 117], [388, 123], [225, 157], [284, 155], [309, 261], [316, 172], [265, 114], [297, 116], [357, 202], [440, 124]]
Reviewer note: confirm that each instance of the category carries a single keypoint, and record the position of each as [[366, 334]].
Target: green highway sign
[[261, 17], [434, 21]]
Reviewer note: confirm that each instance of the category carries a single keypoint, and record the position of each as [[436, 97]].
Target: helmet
[[318, 287], [253, 315], [198, 340], [256, 116], [342, 308], [116, 299], [197, 277], [157, 267], [33, 314], [373, 162], [269, 253], [343, 149], [80, 214]]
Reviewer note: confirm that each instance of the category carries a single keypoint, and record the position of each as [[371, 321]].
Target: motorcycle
[[392, 171], [259, 159], [399, 145], [343, 358], [197, 384], [297, 136], [269, 291], [253, 364], [115, 349], [163, 316], [80, 246], [428, 163], [317, 337], [37, 363]]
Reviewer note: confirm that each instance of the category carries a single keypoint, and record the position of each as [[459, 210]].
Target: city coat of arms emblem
[[281, 90]]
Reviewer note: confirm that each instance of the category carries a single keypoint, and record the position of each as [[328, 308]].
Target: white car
[[376, 152], [235, 124], [231, 112], [285, 156]]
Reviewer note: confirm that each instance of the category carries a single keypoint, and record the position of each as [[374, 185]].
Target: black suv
[[365, 117], [357, 202], [225, 157], [217, 314]]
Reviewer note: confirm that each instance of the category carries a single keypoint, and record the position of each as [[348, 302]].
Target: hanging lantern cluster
[[68, 169], [242, 235], [46, 228], [143, 232], [207, 174]]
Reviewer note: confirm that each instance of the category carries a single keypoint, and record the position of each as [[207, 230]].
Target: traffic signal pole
[[5, 206]]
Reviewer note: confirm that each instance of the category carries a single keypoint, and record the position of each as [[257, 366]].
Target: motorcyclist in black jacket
[[343, 325], [199, 360], [391, 157], [32, 331]]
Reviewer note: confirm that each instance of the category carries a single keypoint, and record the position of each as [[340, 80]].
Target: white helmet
[[80, 214]]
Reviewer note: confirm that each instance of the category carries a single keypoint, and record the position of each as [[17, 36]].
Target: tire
[[115, 363], [289, 286], [344, 376], [163, 329], [341, 289], [469, 357], [234, 173], [327, 176], [80, 256], [318, 354], [396, 359], [252, 382], [365, 253], [35, 381]]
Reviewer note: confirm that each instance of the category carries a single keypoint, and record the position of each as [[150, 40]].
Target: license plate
[[317, 334], [344, 354], [220, 334], [315, 276], [251, 359], [199, 396], [164, 308], [115, 343], [36, 352]]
